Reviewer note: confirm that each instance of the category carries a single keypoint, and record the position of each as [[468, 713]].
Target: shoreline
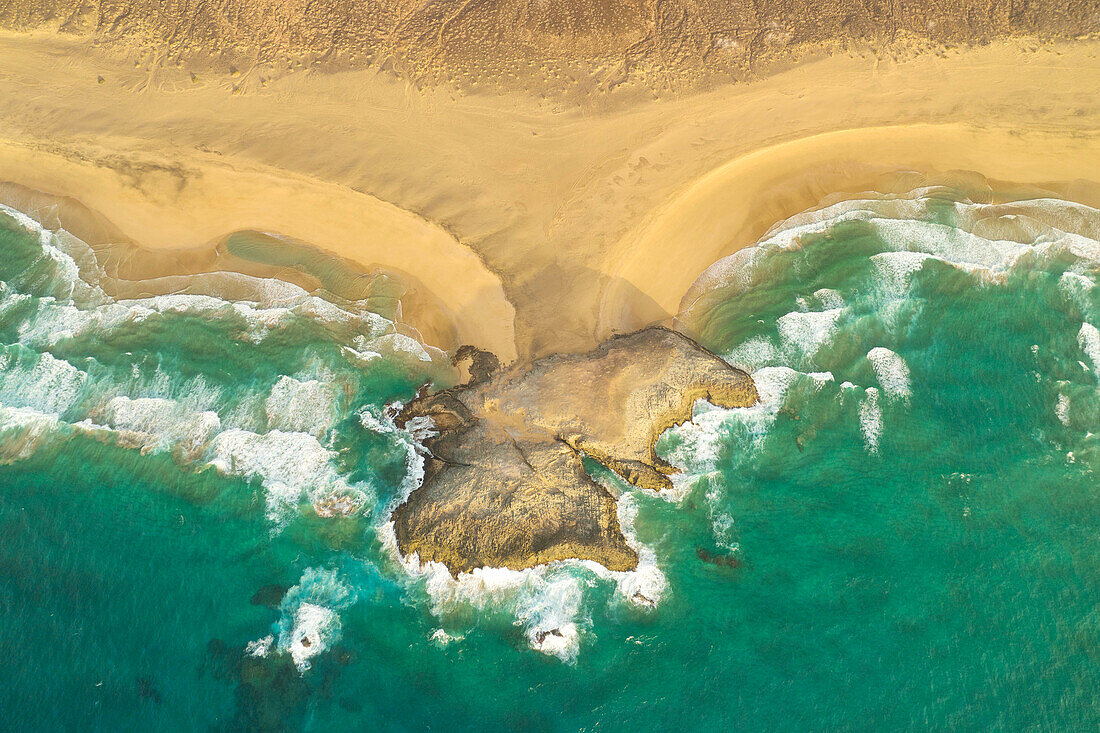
[[527, 228], [171, 239], [728, 209], [504, 483]]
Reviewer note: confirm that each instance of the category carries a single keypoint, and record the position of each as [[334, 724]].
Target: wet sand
[[532, 225]]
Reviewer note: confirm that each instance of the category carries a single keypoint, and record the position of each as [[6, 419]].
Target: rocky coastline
[[504, 484]]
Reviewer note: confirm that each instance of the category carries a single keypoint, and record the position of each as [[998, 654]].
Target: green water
[[905, 534]]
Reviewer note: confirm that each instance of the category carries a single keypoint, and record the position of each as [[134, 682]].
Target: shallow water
[[902, 535]]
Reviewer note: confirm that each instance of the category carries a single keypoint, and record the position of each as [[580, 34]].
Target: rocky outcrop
[[504, 483]]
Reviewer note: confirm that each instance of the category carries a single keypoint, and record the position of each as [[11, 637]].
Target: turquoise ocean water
[[904, 534]]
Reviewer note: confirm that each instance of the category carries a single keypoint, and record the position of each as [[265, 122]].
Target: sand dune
[[535, 225]]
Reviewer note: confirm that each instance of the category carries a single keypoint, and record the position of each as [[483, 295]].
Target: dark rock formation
[[269, 595], [722, 561], [476, 365], [504, 484]]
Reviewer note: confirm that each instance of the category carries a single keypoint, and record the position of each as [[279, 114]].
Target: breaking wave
[[253, 389], [850, 290], [271, 429], [548, 602], [829, 313]]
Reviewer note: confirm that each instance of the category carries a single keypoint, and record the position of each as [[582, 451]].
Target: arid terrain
[[569, 48]]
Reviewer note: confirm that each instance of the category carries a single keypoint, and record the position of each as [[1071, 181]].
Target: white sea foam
[[59, 275], [830, 299], [808, 331], [58, 320], [315, 628], [547, 601], [165, 424], [410, 440], [698, 442], [400, 343], [870, 419], [22, 431], [273, 438], [738, 269], [753, 354], [38, 381], [443, 638], [260, 647], [1088, 338], [1076, 288], [362, 358], [550, 618], [892, 372], [302, 407], [1061, 410], [772, 383], [184, 398], [907, 206], [376, 421], [10, 299], [310, 622], [734, 271], [898, 268], [986, 240], [645, 585], [292, 467], [1084, 249], [73, 307], [950, 244]]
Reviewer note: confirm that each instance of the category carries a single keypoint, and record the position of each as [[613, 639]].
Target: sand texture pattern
[[521, 225], [504, 483], [566, 46]]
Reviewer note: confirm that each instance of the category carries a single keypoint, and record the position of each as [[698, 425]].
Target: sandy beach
[[549, 365], [527, 225]]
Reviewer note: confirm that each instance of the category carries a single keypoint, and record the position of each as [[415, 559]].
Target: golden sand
[[540, 227]]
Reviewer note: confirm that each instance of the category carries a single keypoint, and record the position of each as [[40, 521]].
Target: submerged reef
[[504, 484]]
